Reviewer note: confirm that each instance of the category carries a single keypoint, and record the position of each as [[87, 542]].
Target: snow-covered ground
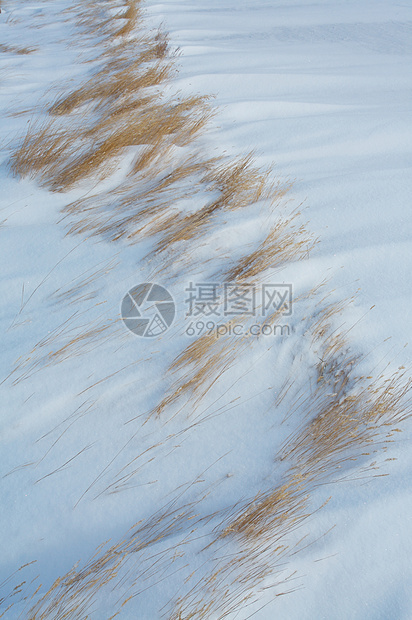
[[323, 89]]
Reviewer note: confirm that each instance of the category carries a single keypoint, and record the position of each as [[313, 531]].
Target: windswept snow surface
[[323, 89]]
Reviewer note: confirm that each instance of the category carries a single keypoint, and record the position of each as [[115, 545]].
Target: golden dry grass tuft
[[238, 184], [284, 243], [120, 109], [62, 156], [116, 109], [347, 419], [201, 364], [14, 49], [348, 412]]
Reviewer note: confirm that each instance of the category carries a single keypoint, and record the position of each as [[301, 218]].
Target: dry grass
[[348, 412], [238, 184], [72, 596], [120, 79], [132, 208], [91, 129], [132, 17], [285, 243], [117, 108], [203, 362], [348, 416], [63, 156], [69, 340], [346, 419], [351, 418], [85, 287], [14, 49], [117, 116], [92, 18]]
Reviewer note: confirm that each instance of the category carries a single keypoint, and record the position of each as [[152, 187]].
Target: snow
[[321, 88]]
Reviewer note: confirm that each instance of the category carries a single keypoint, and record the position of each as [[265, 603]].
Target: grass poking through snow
[[178, 196]]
